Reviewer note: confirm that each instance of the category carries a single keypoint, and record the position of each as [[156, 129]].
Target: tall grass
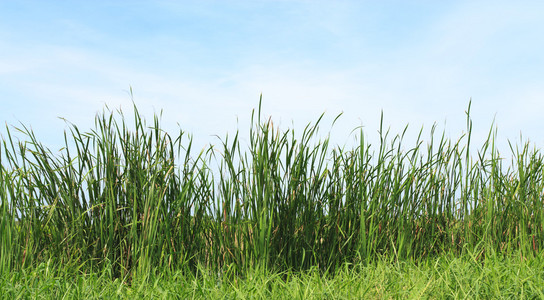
[[134, 199]]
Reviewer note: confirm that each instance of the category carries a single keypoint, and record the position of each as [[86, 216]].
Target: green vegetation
[[447, 277], [129, 205]]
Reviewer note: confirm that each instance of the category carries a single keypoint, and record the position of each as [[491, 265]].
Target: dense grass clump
[[446, 277], [134, 200]]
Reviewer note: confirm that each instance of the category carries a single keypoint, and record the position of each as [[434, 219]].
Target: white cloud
[[428, 80]]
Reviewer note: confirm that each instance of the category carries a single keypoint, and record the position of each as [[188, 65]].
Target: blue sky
[[205, 63]]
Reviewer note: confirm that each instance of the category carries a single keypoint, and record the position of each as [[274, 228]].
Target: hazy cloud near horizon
[[206, 63]]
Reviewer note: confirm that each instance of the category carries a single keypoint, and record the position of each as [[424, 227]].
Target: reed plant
[[133, 199]]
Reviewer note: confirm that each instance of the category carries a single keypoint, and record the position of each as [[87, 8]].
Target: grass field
[[446, 277], [128, 208]]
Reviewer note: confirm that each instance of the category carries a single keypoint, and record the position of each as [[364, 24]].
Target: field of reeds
[[135, 200]]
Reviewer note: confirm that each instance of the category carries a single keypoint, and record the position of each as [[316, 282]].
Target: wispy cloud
[[205, 64]]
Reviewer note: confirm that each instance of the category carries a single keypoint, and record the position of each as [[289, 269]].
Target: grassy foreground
[[140, 211], [447, 277]]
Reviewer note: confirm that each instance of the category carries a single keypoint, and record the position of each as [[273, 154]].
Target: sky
[[204, 64]]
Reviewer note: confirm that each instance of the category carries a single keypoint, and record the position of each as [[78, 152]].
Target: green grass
[[447, 277], [131, 200]]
